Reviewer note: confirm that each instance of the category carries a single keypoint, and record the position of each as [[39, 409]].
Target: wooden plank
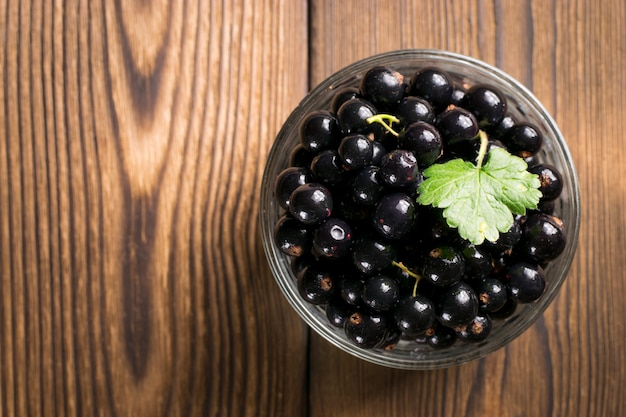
[[571, 55], [134, 138]]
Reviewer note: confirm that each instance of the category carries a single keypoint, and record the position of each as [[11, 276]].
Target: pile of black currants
[[382, 266]]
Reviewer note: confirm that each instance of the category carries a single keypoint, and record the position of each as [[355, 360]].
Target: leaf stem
[[385, 120], [484, 142], [410, 273]]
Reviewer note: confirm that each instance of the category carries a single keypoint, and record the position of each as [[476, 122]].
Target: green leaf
[[480, 201]]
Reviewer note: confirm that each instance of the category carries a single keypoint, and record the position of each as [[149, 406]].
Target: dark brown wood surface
[[134, 135]]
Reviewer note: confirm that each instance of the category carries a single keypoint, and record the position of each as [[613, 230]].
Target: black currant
[[414, 109], [291, 236], [477, 330], [394, 215], [457, 305], [526, 282], [319, 130], [487, 104], [523, 140], [383, 87], [367, 188], [424, 141], [434, 85], [300, 157], [492, 294], [355, 151], [326, 167], [311, 203], [381, 292], [287, 181], [351, 290], [457, 124], [371, 255], [440, 336], [353, 117], [550, 180], [414, 315], [399, 168], [477, 261], [367, 329], [543, 237], [315, 286], [338, 311], [444, 266], [332, 238], [343, 95]]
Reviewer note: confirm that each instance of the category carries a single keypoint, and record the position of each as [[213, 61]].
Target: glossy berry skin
[[414, 109], [433, 227], [291, 236], [414, 315], [366, 188], [440, 336], [355, 151], [457, 305], [550, 180], [394, 215], [351, 290], [501, 129], [319, 130], [523, 140], [506, 311], [311, 203], [399, 168], [424, 141], [326, 167], [381, 292], [337, 312], [444, 266], [300, 262], [457, 124], [391, 341], [287, 181], [382, 86], [507, 240], [492, 294], [457, 96], [333, 238], [543, 237], [487, 104], [366, 329], [371, 255], [353, 115], [477, 261], [343, 95], [378, 153], [546, 207], [315, 286], [434, 85], [477, 330], [300, 157], [526, 282]]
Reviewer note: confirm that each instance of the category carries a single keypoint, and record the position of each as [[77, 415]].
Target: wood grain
[[570, 55], [134, 136], [133, 280]]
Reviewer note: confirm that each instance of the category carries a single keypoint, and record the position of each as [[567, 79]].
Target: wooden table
[[134, 135]]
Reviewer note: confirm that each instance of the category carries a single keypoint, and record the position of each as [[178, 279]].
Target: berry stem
[[484, 142], [415, 275], [385, 120]]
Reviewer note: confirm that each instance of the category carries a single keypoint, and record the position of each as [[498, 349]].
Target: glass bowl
[[522, 104]]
